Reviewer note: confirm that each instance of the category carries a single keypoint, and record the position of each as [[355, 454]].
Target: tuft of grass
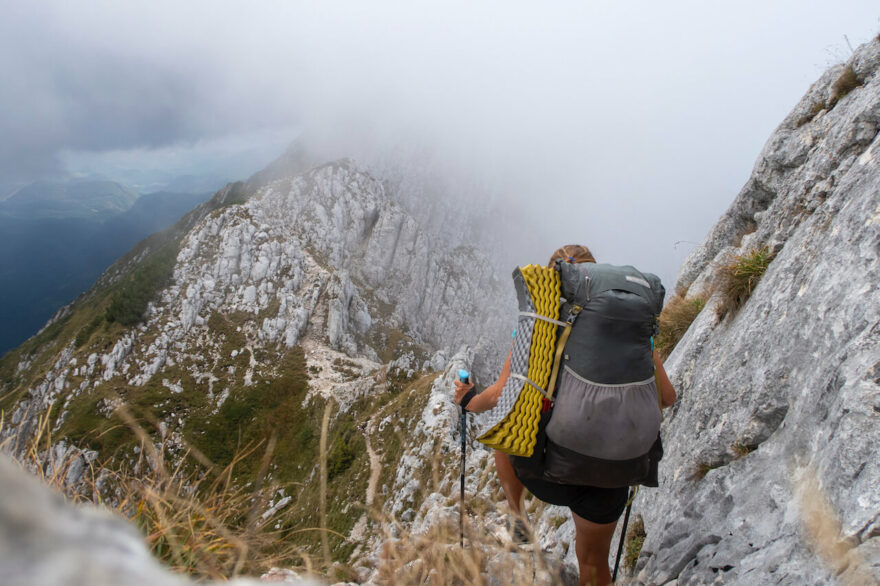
[[635, 539], [675, 319], [844, 84], [739, 277], [814, 111], [701, 469], [741, 450]]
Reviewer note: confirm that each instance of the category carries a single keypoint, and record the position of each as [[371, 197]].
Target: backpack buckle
[[573, 313]]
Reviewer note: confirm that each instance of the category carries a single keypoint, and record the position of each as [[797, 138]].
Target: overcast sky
[[641, 120]]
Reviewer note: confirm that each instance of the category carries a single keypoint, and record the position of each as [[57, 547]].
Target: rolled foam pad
[[512, 425]]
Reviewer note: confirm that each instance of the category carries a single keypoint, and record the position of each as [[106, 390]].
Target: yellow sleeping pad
[[512, 425]]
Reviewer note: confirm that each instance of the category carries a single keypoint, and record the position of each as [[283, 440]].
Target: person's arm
[[489, 397], [664, 385]]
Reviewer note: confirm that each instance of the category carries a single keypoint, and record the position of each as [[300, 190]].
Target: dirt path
[[375, 465], [359, 529]]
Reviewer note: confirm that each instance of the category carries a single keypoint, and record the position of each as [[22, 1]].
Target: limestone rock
[[786, 391]]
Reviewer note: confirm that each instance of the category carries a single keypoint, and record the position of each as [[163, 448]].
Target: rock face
[[778, 414], [44, 540]]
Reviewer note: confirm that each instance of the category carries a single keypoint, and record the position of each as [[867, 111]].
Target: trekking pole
[[629, 506], [464, 377]]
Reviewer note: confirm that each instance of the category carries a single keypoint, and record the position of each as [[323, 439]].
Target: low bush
[[675, 319], [345, 448], [134, 292], [739, 277]]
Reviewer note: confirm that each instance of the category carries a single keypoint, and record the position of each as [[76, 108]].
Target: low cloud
[[634, 123]]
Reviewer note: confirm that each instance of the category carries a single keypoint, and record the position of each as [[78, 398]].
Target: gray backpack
[[604, 428]]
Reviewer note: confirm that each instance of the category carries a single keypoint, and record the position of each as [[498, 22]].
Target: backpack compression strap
[[560, 347]]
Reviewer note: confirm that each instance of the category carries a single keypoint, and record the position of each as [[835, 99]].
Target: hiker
[[595, 509]]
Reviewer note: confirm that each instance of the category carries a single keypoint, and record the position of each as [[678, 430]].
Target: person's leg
[[592, 544], [513, 488]]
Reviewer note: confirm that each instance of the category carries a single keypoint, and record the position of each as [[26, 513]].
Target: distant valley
[[57, 238]]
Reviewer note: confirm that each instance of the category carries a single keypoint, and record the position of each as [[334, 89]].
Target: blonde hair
[[571, 253]]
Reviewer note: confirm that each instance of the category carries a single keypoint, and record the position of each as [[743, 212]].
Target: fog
[[627, 126]]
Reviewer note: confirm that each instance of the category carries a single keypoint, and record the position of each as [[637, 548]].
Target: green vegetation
[[129, 301], [83, 336], [238, 194], [739, 277], [347, 368], [344, 450], [635, 539], [675, 319], [253, 415], [194, 518]]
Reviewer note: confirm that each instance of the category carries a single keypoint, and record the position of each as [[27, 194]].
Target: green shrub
[[346, 447], [134, 292], [675, 319], [740, 276]]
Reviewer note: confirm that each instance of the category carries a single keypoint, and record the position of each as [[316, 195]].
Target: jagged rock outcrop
[[327, 250], [779, 404]]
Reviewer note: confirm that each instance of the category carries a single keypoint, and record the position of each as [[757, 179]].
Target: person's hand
[[461, 390]]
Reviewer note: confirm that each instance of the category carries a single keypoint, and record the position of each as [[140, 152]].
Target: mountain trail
[[375, 464]]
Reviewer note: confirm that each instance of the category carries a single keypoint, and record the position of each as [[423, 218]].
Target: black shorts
[[599, 505]]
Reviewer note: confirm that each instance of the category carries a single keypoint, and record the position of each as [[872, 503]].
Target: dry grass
[[700, 469], [436, 559], [814, 111], [675, 319], [739, 277], [198, 521], [741, 450], [825, 537], [194, 518], [844, 84]]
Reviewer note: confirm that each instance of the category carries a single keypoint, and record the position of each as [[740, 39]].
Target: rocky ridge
[[326, 250], [319, 273]]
